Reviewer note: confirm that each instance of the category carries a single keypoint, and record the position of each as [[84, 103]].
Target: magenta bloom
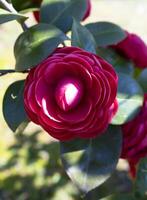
[[88, 11], [133, 48], [135, 138], [71, 94], [36, 15]]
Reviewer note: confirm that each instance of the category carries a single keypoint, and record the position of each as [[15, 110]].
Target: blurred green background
[[30, 168]]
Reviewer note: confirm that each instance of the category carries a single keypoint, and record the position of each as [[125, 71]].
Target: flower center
[[68, 94]]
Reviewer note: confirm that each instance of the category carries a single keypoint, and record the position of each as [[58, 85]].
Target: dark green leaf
[[6, 16], [142, 79], [106, 33], [119, 182], [20, 5], [120, 197], [130, 99], [13, 106], [61, 12], [22, 127], [82, 38], [137, 72], [141, 179], [36, 44], [91, 162], [2, 6], [124, 66], [120, 64], [108, 54]]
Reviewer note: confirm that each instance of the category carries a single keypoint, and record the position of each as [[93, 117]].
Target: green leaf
[[82, 38], [120, 197], [13, 106], [61, 12], [124, 66], [142, 79], [90, 162], [108, 54], [120, 64], [36, 44], [20, 5], [2, 6], [130, 99], [106, 33], [6, 16], [119, 182], [21, 128], [141, 179]]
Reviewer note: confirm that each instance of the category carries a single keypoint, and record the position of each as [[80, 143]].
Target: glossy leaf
[[6, 16], [119, 182], [36, 44], [120, 197], [106, 33], [120, 64], [141, 179], [142, 79], [91, 162], [82, 38], [130, 99], [13, 106], [2, 6], [61, 12], [20, 5], [124, 66]]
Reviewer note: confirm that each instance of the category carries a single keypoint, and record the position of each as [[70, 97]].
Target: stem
[[11, 9], [4, 72], [8, 6]]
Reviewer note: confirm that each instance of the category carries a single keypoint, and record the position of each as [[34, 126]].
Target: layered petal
[[71, 94], [86, 15], [133, 48], [135, 138]]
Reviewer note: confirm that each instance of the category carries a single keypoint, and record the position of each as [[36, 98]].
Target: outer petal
[[135, 138], [92, 112], [133, 48]]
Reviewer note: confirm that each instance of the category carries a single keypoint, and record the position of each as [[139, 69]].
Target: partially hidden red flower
[[135, 138], [71, 94], [87, 13], [133, 48], [36, 15], [133, 168]]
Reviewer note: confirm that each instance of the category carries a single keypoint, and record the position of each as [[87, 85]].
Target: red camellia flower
[[71, 94], [133, 48], [135, 138], [88, 11], [36, 13]]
